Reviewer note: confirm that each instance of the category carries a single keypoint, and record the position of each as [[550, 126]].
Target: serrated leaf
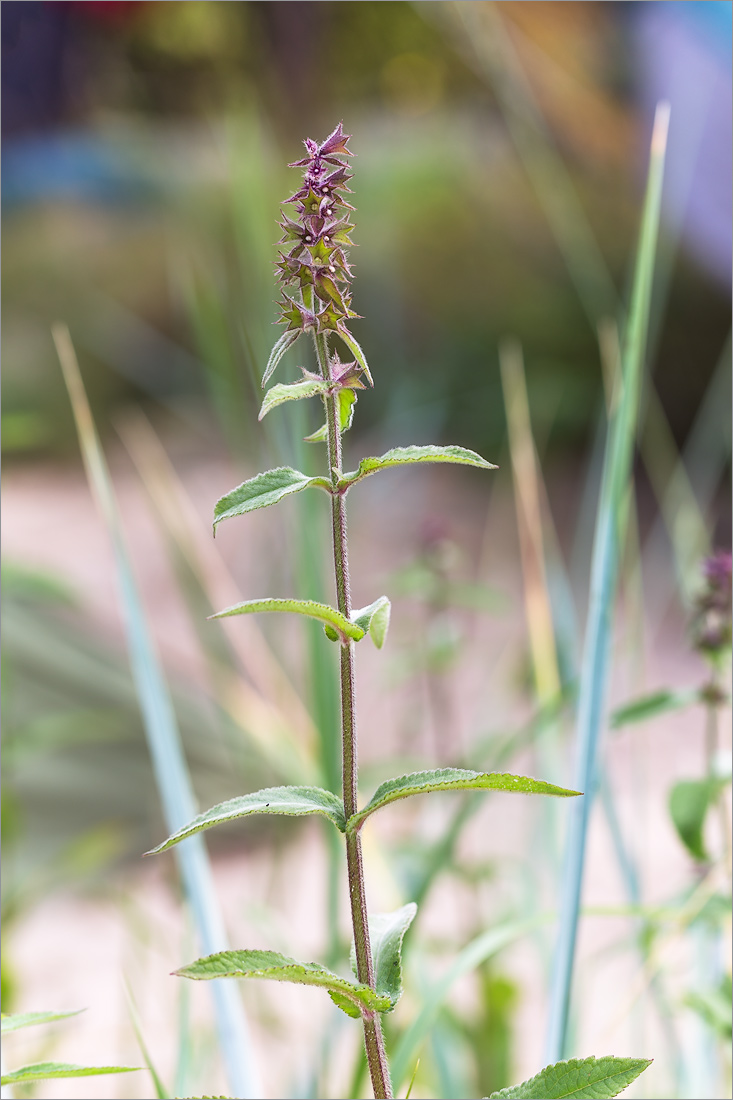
[[263, 490], [408, 456], [346, 399], [294, 391], [356, 351], [688, 805], [280, 968], [47, 1071], [451, 779], [386, 933], [321, 611], [285, 342], [292, 801], [345, 1004], [374, 620], [649, 706], [581, 1078], [15, 1021]]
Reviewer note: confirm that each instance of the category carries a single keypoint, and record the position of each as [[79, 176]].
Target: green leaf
[[346, 401], [408, 456], [688, 804], [451, 779], [295, 391], [285, 342], [329, 615], [293, 801], [46, 1071], [582, 1078], [345, 1005], [374, 620], [649, 706], [263, 490], [280, 968], [17, 1020], [386, 932], [356, 351]]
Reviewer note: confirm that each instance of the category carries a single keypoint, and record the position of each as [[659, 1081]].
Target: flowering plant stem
[[373, 1037], [315, 261]]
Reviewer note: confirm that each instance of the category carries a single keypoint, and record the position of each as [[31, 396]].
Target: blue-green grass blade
[[604, 572], [473, 954], [164, 742]]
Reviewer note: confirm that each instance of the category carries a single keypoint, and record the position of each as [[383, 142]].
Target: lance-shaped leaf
[[408, 456], [356, 351], [346, 399], [386, 933], [295, 391], [374, 620], [344, 628], [451, 779], [293, 801], [580, 1078], [17, 1020], [280, 968], [285, 342], [47, 1071], [263, 490]]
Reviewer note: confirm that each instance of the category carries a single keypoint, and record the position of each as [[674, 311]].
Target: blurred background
[[501, 156]]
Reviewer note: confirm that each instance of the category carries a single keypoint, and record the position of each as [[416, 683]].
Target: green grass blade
[[473, 954], [169, 765], [161, 1092], [604, 571], [48, 1071], [17, 1020]]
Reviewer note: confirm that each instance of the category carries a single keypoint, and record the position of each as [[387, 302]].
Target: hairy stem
[[373, 1038]]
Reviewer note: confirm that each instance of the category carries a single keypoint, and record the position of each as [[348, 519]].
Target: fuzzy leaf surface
[[374, 620], [285, 342], [292, 801], [451, 779], [321, 611], [47, 1071], [346, 399], [294, 391], [649, 706], [580, 1078], [263, 490], [15, 1021], [356, 351], [280, 968], [386, 932], [409, 456]]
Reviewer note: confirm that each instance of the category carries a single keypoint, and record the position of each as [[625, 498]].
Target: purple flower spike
[[314, 265]]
